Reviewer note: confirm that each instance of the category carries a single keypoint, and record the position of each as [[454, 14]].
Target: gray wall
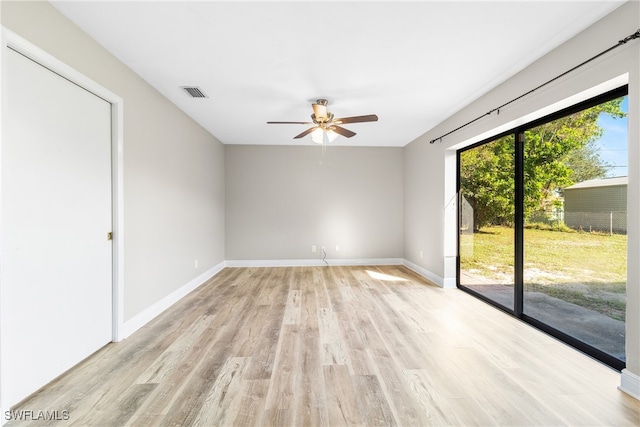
[[430, 169], [606, 198], [281, 200], [596, 208], [173, 168]]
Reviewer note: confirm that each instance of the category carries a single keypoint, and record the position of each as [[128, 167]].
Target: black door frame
[[518, 308]]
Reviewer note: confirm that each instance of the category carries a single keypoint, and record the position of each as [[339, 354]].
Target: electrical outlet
[[324, 249], [195, 264], [337, 248], [313, 248], [420, 254]]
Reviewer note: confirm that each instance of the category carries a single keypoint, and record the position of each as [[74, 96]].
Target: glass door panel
[[575, 243], [486, 175]]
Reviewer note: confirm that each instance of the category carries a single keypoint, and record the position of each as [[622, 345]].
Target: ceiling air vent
[[194, 91]]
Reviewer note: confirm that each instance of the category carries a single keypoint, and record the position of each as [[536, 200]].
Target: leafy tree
[[585, 163], [557, 154], [487, 184]]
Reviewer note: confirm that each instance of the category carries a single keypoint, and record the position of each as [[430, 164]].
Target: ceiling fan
[[327, 128]]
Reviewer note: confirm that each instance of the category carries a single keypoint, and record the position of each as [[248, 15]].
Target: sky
[[613, 144]]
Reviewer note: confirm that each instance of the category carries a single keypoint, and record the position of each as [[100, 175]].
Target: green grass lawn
[[588, 269]]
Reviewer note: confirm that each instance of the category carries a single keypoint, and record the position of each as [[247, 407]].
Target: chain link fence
[[608, 222]]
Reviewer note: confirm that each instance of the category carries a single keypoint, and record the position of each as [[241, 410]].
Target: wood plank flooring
[[334, 346]]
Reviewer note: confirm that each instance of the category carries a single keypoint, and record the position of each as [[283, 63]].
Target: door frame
[[620, 88], [17, 43]]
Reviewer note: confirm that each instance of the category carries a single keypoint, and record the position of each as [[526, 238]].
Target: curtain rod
[[633, 36]]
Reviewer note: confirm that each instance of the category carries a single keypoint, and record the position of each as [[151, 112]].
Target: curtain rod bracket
[[633, 36]]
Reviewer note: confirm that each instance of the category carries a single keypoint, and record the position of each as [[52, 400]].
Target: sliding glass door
[[543, 224]]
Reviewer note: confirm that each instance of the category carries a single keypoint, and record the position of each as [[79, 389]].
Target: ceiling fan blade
[[306, 132], [289, 123], [342, 131], [357, 119]]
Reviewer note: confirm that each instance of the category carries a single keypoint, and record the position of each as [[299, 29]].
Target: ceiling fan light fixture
[[320, 111], [317, 136], [323, 136]]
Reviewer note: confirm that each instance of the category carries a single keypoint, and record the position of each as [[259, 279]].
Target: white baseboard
[[144, 317], [312, 262], [443, 283], [630, 384]]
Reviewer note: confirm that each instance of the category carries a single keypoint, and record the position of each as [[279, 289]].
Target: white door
[[56, 276]]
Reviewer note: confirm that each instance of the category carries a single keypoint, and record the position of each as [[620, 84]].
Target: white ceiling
[[411, 63]]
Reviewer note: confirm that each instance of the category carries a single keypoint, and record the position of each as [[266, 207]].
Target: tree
[[557, 154], [486, 181], [585, 163]]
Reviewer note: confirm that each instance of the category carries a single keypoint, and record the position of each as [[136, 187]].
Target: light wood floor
[[335, 346]]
